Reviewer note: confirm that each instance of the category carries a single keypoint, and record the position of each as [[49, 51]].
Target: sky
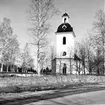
[[81, 14]]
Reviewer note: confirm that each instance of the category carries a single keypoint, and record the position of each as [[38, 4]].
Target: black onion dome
[[65, 27]]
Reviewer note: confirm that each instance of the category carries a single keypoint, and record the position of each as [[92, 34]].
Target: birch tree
[[9, 43], [10, 53], [41, 11], [27, 59]]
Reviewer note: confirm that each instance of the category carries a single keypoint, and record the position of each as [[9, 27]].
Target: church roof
[[65, 14], [65, 27], [76, 57]]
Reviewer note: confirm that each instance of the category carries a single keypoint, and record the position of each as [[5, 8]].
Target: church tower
[[65, 39], [66, 61], [65, 44]]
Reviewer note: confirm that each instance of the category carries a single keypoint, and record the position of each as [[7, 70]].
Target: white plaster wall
[[60, 64], [68, 48]]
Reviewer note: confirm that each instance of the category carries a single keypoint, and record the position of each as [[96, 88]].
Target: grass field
[[35, 83]]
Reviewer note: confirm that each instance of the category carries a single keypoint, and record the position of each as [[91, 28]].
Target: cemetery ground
[[19, 89]]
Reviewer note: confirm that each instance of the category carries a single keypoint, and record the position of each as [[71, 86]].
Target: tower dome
[[65, 26]]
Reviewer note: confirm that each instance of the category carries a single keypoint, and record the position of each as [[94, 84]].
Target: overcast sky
[[81, 14]]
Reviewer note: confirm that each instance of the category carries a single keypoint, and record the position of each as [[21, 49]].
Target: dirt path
[[67, 91]]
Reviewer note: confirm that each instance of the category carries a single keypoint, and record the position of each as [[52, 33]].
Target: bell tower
[[65, 38], [65, 42], [66, 60]]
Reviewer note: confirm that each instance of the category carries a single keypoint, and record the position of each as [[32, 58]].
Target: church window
[[64, 20], [64, 53], [64, 40]]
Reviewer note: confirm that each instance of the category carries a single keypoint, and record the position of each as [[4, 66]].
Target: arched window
[[64, 40], [64, 20]]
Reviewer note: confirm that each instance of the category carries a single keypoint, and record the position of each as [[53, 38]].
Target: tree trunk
[[38, 68], [76, 67], [13, 68], [103, 49], [98, 72], [7, 68], [79, 68], [84, 67], [90, 68], [84, 70], [17, 69], [1, 67], [38, 60], [70, 67]]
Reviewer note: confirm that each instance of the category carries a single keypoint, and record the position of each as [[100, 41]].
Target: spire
[[65, 17]]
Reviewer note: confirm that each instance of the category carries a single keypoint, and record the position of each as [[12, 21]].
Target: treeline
[[91, 50], [11, 58]]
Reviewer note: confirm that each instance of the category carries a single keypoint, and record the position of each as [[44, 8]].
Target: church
[[65, 60]]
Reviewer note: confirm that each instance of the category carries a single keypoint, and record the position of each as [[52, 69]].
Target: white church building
[[65, 60]]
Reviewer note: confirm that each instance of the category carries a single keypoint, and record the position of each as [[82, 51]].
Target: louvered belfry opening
[[64, 40]]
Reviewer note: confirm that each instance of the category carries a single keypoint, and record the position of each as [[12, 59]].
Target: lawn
[[36, 83]]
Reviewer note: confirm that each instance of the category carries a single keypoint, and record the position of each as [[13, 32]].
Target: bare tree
[[9, 44], [11, 52], [82, 55], [44, 59], [41, 11], [90, 51], [97, 42], [93, 49], [27, 59], [52, 59], [77, 59], [86, 52], [99, 32]]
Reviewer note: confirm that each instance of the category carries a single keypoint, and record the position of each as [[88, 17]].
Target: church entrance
[[64, 68]]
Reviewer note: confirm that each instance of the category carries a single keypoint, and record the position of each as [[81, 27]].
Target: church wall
[[60, 64], [70, 70], [68, 47]]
